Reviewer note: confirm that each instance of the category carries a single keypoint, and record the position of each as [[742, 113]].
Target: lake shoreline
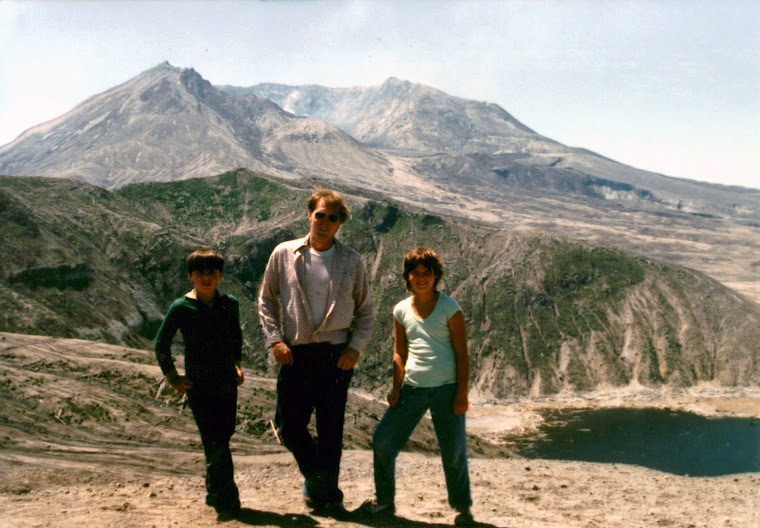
[[494, 419]]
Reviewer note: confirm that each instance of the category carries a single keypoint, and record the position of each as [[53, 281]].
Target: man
[[316, 311]]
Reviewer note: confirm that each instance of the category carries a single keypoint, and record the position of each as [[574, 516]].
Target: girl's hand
[[461, 402], [393, 397], [240, 375]]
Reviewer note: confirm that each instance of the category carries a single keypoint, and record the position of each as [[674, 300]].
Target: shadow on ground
[[401, 522], [265, 518], [299, 520]]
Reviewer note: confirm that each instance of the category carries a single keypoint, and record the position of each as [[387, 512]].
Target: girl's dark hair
[[427, 258], [204, 259], [333, 200]]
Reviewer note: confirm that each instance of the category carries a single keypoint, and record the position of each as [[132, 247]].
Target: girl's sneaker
[[464, 518]]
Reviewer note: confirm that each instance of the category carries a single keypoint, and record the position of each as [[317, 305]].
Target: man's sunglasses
[[331, 217]]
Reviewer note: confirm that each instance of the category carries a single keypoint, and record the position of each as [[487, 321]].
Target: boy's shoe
[[228, 512], [464, 518], [211, 500], [374, 508]]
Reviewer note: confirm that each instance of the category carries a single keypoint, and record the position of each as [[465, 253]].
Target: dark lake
[[675, 442]]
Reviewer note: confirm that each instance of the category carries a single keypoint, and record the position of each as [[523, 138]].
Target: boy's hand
[[282, 353], [240, 375], [348, 359], [181, 384]]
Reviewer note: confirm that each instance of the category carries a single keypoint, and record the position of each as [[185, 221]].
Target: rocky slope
[[544, 315], [79, 394]]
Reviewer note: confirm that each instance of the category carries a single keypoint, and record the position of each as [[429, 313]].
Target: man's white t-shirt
[[318, 266]]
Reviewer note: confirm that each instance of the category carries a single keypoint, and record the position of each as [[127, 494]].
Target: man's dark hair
[[204, 259]]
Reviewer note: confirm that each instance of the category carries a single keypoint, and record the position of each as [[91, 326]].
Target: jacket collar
[[305, 244]]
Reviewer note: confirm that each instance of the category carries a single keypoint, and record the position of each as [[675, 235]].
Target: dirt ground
[[67, 462], [57, 492]]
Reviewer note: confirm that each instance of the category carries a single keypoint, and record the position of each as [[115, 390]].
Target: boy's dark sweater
[[212, 337]]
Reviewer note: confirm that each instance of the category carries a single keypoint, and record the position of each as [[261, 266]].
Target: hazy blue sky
[[667, 86]]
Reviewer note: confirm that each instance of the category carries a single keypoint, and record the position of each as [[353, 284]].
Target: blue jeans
[[396, 427]]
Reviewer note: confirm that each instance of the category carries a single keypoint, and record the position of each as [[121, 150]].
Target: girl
[[431, 369]]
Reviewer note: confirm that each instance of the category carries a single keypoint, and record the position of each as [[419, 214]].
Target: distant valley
[[544, 315]]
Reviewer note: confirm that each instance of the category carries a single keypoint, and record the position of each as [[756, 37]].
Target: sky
[[667, 86]]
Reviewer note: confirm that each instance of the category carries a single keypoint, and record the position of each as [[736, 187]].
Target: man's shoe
[[464, 518], [228, 513], [374, 508], [335, 510], [228, 507], [306, 499]]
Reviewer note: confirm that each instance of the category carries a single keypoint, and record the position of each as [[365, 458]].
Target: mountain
[[403, 142], [544, 314], [168, 124], [399, 115], [415, 119]]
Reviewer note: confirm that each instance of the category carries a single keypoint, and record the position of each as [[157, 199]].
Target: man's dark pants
[[314, 383], [215, 413]]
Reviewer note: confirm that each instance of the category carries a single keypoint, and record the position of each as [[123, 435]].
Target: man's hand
[[348, 359], [240, 375], [282, 353], [181, 384]]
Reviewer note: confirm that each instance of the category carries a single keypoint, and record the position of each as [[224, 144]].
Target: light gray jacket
[[284, 310]]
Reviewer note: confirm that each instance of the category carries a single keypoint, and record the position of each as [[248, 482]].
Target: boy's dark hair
[[204, 259], [427, 258], [333, 200]]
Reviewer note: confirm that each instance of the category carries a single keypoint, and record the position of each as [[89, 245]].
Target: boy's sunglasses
[[331, 217]]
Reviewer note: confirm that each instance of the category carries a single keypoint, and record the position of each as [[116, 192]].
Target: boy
[[210, 325]]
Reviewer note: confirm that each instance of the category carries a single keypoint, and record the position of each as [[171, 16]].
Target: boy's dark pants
[[215, 414], [314, 383]]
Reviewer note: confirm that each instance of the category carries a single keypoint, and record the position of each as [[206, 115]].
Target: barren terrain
[[86, 441]]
